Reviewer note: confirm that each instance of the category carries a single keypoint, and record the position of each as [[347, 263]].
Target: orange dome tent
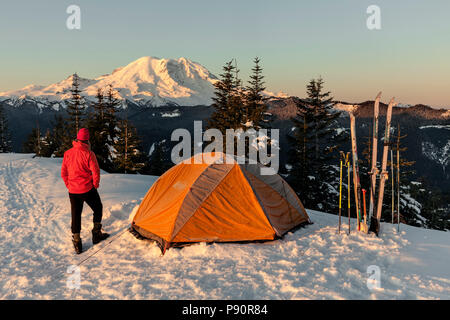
[[217, 202]]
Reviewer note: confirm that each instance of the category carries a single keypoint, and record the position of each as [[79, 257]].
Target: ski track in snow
[[311, 263]]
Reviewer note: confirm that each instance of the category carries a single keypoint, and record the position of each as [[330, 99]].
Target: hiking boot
[[76, 240], [97, 234]]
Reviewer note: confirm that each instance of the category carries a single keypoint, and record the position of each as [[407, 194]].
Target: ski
[[384, 174], [373, 172], [356, 182]]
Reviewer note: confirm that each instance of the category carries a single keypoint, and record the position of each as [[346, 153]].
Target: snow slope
[[310, 263], [147, 80]]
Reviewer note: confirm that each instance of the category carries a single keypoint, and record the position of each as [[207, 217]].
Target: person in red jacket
[[81, 175]]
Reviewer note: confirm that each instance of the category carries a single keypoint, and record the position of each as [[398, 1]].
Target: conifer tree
[[301, 159], [128, 157], [255, 107], [32, 144], [5, 136], [228, 101], [111, 105], [434, 210], [76, 107], [158, 163], [314, 142], [76, 113], [46, 144], [98, 125], [58, 136]]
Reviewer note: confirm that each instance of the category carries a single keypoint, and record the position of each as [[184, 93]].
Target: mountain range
[[148, 81], [160, 95], [155, 82]]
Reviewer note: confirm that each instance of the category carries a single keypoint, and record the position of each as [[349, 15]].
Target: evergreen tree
[[158, 162], [314, 140], [59, 136], [255, 107], [46, 144], [228, 101], [33, 142], [5, 136], [98, 125], [127, 157], [111, 105], [76, 107], [434, 210], [41, 146], [76, 112], [236, 107], [301, 159]]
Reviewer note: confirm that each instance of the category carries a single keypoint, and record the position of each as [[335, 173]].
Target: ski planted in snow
[[374, 171], [356, 181], [384, 174]]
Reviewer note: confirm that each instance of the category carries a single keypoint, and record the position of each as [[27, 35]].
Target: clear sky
[[297, 40]]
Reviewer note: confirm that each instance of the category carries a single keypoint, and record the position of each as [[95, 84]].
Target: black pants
[[92, 199]]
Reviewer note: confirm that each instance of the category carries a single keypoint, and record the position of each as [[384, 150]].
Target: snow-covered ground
[[311, 263]]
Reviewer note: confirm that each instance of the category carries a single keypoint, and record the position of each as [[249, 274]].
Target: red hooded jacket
[[80, 170]]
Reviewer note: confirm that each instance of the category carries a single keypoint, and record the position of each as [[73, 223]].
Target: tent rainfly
[[218, 201]]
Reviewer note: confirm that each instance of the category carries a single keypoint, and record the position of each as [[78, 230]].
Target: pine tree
[[76, 107], [58, 136], [255, 107], [76, 113], [98, 125], [5, 136], [46, 144], [314, 140], [434, 211], [228, 101], [301, 159], [32, 144], [158, 162], [111, 105], [127, 157]]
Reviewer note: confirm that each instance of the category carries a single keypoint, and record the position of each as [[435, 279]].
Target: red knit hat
[[83, 134]]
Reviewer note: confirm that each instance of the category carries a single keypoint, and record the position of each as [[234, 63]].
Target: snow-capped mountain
[[147, 81]]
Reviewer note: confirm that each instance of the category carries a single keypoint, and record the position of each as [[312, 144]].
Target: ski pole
[[392, 184], [348, 196], [340, 191], [364, 202]]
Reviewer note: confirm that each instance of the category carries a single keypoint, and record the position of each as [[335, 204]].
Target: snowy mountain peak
[[147, 80]]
